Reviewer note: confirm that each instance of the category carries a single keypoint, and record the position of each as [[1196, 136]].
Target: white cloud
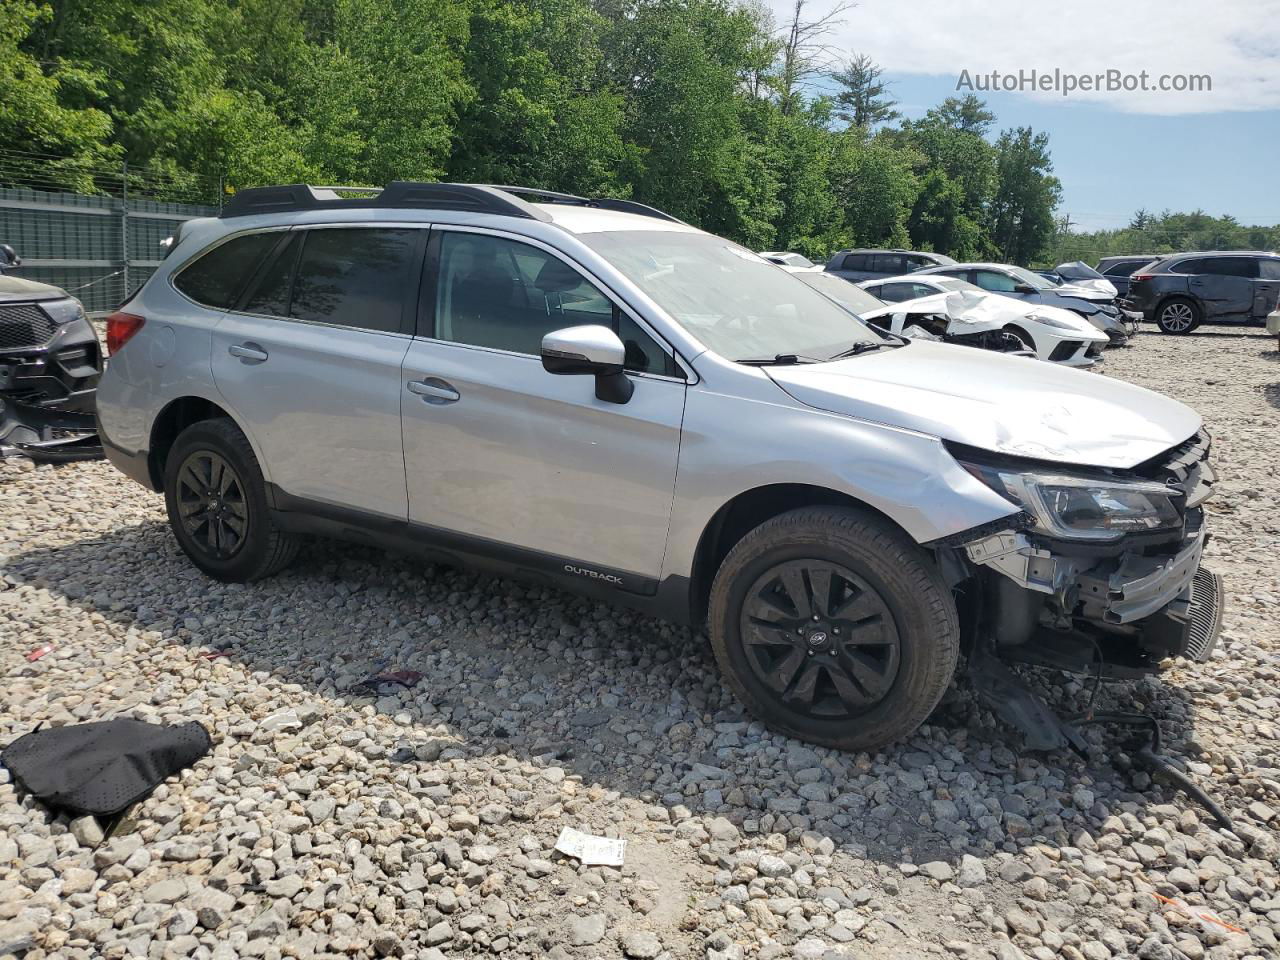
[[1235, 42]]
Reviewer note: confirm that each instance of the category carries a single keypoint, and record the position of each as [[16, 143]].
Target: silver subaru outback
[[597, 395]]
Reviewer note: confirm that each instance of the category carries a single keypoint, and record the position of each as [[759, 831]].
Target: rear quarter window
[[216, 278]]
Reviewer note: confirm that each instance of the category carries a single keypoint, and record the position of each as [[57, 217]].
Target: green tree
[[537, 114], [67, 142], [863, 100], [1022, 210]]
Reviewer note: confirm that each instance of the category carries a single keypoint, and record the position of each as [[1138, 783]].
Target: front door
[[504, 453], [310, 363]]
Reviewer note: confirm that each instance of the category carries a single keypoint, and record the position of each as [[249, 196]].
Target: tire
[[1178, 315], [211, 467], [1017, 333], [881, 589]]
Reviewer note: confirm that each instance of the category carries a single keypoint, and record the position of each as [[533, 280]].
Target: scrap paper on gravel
[[593, 851]]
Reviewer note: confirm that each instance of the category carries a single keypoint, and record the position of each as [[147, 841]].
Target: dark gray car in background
[[1185, 290], [856, 265], [1119, 269]]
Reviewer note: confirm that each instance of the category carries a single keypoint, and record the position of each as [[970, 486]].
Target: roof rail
[[474, 197]]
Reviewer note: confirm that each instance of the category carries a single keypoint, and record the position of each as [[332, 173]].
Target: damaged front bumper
[[50, 362], [1054, 607]]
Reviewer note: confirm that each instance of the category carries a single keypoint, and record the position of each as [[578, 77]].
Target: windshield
[[1034, 279], [836, 288], [737, 303]]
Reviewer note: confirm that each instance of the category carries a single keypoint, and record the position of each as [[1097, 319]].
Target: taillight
[[121, 327], [1141, 276]]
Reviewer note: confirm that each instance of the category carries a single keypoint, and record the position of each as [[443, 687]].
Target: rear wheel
[[1178, 315], [217, 505], [833, 627]]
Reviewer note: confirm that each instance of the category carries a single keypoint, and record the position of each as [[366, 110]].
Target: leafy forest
[[713, 110]]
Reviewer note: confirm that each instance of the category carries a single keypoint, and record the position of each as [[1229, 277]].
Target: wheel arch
[[743, 513], [174, 417]]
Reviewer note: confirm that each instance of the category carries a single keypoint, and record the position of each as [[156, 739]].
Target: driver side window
[[506, 295], [993, 280]]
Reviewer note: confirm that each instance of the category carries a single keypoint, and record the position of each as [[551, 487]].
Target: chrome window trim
[[605, 290]]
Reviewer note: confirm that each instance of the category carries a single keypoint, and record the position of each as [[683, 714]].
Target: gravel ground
[[333, 821]]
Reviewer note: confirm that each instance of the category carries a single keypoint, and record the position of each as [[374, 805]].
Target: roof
[[1220, 253], [595, 220], [568, 211]]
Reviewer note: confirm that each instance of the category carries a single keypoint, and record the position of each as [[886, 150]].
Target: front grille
[[1064, 351], [1204, 616], [24, 325], [1177, 463]]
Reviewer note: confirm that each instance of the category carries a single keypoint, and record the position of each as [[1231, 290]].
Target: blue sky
[[1114, 151], [1112, 163]]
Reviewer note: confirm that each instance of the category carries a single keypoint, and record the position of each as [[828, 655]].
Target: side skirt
[[667, 599]]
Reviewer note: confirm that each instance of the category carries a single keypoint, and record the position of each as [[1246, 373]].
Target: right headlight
[[1082, 508]]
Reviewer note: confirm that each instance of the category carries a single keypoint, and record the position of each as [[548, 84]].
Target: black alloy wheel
[[211, 503], [821, 638]]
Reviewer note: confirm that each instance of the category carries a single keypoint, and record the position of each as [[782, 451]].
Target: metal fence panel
[[101, 248]]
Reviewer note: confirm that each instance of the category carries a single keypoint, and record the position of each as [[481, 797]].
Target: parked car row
[[1177, 292]]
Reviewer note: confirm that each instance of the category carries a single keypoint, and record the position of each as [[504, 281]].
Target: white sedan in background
[[1050, 333]]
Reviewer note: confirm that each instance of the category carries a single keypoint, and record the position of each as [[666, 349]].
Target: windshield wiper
[[863, 347], [780, 360]]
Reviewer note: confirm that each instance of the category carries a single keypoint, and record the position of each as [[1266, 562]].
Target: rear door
[[503, 453], [1226, 286], [310, 362], [1266, 289]]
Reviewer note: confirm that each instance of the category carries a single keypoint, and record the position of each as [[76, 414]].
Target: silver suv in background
[[599, 396]]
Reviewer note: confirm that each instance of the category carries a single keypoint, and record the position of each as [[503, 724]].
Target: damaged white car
[[954, 311]]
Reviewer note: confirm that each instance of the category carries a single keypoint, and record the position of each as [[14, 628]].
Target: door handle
[[247, 352], [433, 390]]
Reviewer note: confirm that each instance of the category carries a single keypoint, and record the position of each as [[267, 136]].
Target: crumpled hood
[[971, 311], [1011, 405], [18, 289]]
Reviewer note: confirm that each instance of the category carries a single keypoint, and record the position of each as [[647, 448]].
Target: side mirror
[[591, 349], [1023, 288]]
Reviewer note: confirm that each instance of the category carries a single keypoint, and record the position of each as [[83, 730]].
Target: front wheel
[[217, 505], [833, 627]]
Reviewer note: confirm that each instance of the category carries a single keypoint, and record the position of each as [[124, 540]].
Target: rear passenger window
[[1232, 266], [1269, 269], [507, 295], [354, 277], [890, 263], [857, 261], [216, 279]]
